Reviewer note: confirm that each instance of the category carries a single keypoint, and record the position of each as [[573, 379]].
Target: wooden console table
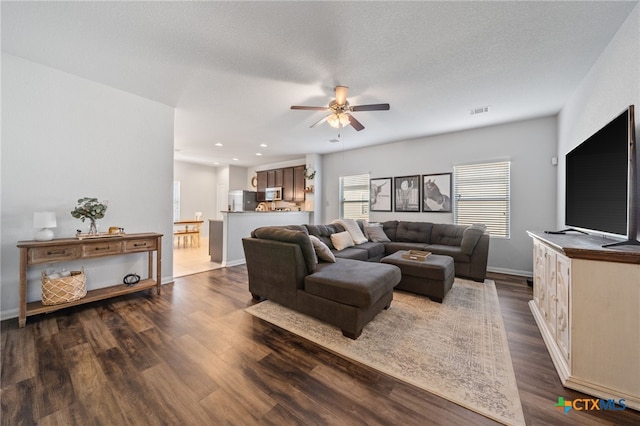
[[68, 249], [586, 303]]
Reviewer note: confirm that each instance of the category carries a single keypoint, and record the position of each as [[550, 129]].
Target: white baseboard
[[517, 272], [8, 314]]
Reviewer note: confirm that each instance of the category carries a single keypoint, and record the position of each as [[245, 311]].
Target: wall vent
[[334, 140], [479, 110]]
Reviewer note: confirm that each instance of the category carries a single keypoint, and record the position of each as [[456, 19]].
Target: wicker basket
[[65, 289]]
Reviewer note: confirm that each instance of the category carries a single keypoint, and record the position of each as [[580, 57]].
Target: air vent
[[334, 140], [479, 110]]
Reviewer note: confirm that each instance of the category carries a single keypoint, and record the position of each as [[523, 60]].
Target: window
[[354, 197], [482, 195]]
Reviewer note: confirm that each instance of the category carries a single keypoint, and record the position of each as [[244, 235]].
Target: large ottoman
[[432, 277]]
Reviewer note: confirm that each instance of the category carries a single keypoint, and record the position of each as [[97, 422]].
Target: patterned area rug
[[457, 350]]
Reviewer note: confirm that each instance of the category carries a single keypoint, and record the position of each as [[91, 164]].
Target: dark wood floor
[[193, 357]]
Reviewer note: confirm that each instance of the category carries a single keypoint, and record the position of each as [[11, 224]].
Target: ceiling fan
[[340, 110]]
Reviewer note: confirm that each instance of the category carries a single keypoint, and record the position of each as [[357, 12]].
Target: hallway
[[191, 260]]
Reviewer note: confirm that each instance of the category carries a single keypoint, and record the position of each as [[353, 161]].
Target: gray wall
[[612, 84], [63, 138], [529, 145]]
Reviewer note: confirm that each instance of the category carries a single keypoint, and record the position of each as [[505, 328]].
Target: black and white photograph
[[436, 192], [407, 190], [380, 192]]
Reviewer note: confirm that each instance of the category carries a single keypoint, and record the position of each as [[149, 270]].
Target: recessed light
[[218, 144], [234, 159], [263, 145], [216, 163], [259, 154]]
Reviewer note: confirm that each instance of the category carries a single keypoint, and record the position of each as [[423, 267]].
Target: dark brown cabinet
[[278, 178], [262, 181], [287, 186], [298, 183], [291, 179]]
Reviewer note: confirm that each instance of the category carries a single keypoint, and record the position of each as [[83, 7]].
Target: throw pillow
[[351, 226], [376, 234], [342, 240], [322, 250]]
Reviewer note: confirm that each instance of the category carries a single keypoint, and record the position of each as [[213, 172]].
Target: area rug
[[457, 350]]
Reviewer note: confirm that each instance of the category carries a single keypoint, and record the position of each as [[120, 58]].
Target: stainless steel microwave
[[273, 194]]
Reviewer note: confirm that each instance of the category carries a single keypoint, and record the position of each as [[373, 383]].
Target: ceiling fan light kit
[[339, 111]]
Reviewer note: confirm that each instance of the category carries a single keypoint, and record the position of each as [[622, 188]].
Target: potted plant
[[92, 209]]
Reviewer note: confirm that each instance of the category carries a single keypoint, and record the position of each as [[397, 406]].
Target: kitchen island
[[238, 225]]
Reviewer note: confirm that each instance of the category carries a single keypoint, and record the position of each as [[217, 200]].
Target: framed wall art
[[407, 193], [436, 192], [381, 194]]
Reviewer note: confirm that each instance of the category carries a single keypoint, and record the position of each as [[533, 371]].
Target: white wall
[[612, 84], [197, 191], [529, 145], [238, 178], [64, 138]]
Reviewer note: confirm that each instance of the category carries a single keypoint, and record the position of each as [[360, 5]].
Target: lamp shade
[[44, 220]]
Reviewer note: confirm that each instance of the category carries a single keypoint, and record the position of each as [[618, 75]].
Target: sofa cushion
[[414, 232], [376, 233], [322, 251], [471, 236], [323, 232], [394, 246], [389, 227], [446, 250], [353, 282], [447, 234], [372, 249], [351, 253], [352, 227], [342, 240], [287, 235]]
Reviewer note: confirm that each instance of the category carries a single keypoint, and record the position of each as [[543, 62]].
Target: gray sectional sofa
[[467, 245], [283, 266]]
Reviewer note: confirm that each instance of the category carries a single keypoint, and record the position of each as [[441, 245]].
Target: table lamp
[[44, 221]]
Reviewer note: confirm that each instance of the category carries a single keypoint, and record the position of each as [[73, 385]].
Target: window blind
[[482, 195], [354, 197]]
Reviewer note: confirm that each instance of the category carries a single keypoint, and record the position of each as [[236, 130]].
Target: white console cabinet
[[586, 303]]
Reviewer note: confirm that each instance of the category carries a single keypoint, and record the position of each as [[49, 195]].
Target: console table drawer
[[140, 245], [53, 254], [102, 248]]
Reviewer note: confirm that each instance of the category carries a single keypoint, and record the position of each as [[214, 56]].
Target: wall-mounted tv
[[601, 181]]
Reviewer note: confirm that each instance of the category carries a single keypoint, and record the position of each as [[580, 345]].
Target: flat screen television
[[601, 181]]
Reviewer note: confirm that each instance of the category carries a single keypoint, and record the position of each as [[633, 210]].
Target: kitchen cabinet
[[287, 184], [290, 179], [298, 183], [278, 177], [262, 180]]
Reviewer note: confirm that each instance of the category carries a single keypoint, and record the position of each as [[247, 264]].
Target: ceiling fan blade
[[309, 108], [355, 123], [341, 95], [372, 107], [319, 122]]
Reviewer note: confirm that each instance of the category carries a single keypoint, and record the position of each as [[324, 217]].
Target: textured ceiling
[[233, 69]]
